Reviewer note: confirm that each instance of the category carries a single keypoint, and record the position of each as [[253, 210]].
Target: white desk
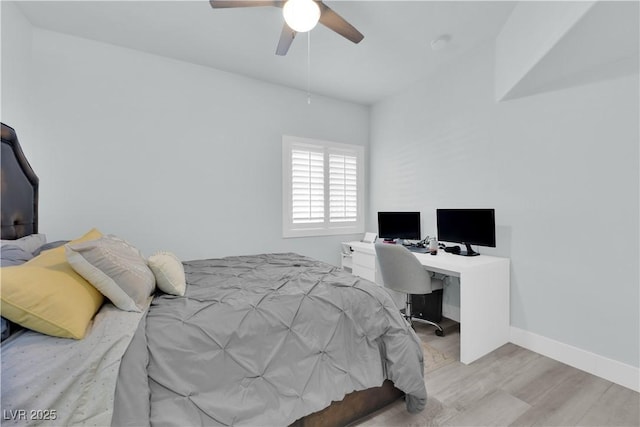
[[484, 294]]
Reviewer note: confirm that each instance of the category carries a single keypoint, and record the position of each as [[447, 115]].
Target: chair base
[[439, 330]]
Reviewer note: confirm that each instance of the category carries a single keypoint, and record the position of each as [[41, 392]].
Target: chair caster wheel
[[439, 333]]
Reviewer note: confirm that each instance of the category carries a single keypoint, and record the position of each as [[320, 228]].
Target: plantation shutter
[[343, 188], [322, 187], [307, 186]]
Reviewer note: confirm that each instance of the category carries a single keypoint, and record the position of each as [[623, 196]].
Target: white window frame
[[327, 227]]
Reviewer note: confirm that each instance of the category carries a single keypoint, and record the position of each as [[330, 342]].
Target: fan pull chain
[[309, 67]]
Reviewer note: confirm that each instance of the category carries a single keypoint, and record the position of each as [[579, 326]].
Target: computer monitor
[[467, 226], [399, 225]]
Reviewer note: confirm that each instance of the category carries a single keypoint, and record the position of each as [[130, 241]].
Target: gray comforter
[[264, 340]]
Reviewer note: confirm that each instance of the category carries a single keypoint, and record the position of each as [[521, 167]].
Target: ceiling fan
[[300, 16]]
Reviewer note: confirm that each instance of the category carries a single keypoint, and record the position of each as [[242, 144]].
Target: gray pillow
[[51, 245], [9, 328], [116, 268], [6, 329], [28, 243], [13, 255]]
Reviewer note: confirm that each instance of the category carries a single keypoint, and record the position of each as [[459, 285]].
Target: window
[[322, 187]]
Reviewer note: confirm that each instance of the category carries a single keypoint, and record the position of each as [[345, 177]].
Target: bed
[[269, 339]]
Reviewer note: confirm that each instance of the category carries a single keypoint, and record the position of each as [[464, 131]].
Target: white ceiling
[[394, 53]]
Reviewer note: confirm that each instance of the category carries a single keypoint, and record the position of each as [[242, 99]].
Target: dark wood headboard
[[19, 189]]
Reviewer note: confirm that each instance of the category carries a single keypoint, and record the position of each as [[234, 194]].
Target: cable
[[309, 67]]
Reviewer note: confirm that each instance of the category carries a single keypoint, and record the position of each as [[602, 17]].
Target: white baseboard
[[620, 373]]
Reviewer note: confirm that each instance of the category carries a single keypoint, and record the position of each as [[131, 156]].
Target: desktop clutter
[[428, 244]]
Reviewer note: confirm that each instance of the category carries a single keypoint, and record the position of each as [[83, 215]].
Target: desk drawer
[[367, 261], [365, 273]]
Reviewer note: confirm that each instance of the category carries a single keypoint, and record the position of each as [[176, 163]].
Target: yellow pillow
[[46, 295]]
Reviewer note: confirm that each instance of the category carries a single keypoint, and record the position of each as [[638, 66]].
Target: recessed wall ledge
[[547, 46]]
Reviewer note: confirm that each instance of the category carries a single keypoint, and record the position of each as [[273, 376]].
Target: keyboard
[[417, 249]]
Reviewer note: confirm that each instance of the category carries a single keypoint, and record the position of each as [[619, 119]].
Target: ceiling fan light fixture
[[301, 15]]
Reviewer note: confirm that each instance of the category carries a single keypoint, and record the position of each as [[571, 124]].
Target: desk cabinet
[[347, 262], [363, 261], [364, 265]]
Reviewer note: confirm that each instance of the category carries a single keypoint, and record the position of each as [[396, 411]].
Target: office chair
[[402, 272]]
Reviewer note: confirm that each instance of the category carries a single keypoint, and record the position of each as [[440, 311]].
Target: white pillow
[[169, 273], [28, 243], [115, 268]]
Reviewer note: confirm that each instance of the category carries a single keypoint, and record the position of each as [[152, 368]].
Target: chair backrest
[[401, 270]]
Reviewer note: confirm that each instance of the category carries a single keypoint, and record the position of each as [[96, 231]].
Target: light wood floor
[[511, 387]]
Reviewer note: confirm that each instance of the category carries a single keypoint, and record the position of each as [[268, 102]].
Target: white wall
[[169, 155], [561, 170], [16, 65]]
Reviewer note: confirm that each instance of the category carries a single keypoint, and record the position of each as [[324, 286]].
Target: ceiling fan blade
[[286, 38], [337, 23], [223, 4]]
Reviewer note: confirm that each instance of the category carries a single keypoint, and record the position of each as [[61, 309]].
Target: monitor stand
[[469, 251]]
